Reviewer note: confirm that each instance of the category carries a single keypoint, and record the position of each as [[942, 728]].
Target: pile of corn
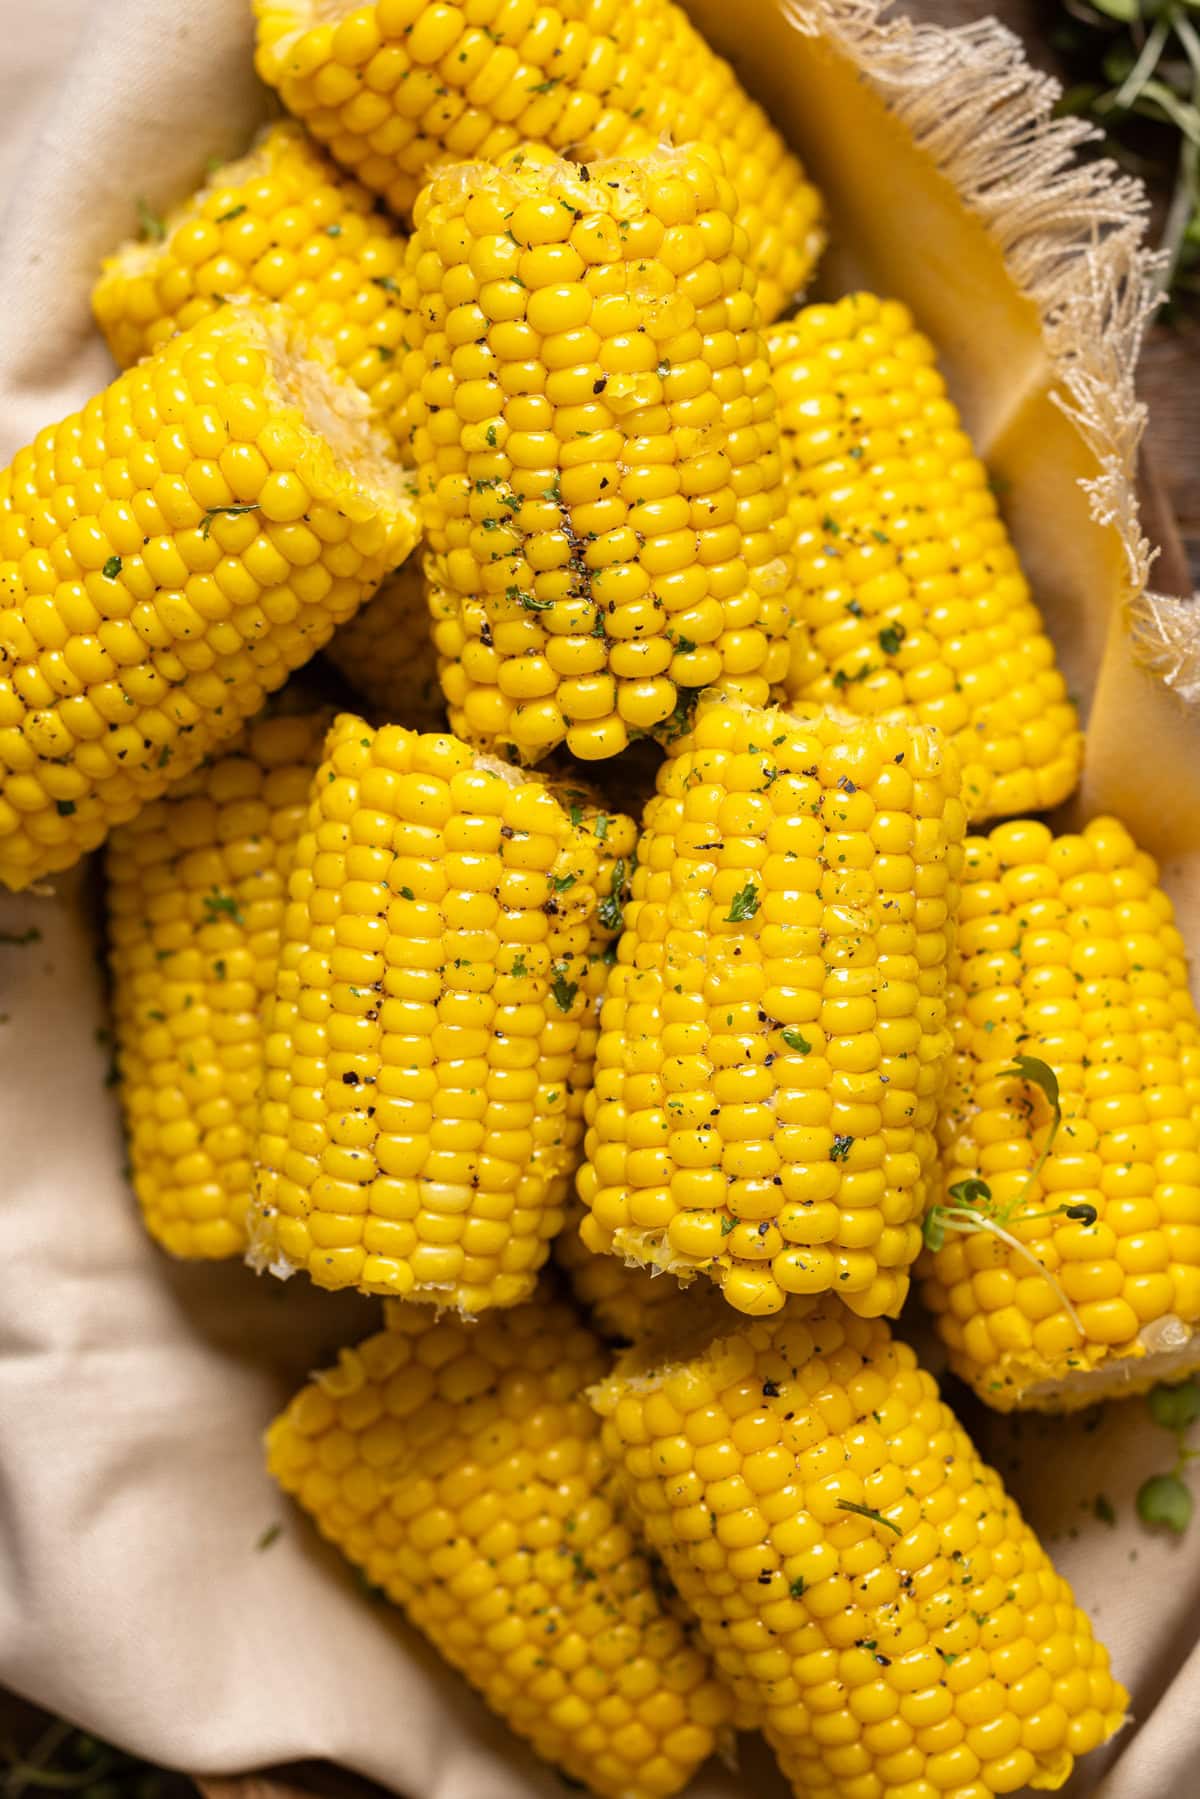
[[490, 374]]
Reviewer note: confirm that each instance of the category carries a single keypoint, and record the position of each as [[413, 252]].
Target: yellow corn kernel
[[1068, 953], [431, 1022], [623, 1303], [395, 89], [460, 1468], [167, 557], [857, 1571], [282, 223], [197, 885], [597, 449], [907, 580], [774, 1034], [386, 652]]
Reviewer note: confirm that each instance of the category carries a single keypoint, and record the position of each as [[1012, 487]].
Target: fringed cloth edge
[[1073, 237]]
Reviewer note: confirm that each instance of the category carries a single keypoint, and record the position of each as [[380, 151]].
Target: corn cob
[[386, 652], [856, 1570], [623, 1304], [773, 1036], [597, 449], [430, 1022], [397, 88], [167, 556], [461, 1469], [907, 579], [1089, 1152], [196, 891], [282, 223]]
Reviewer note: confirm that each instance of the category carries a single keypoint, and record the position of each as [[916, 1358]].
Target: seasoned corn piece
[[597, 449], [908, 581], [167, 557], [774, 1033], [196, 890], [857, 1571], [1068, 954], [461, 1469], [623, 1304], [282, 223], [431, 1021], [397, 88], [386, 652]]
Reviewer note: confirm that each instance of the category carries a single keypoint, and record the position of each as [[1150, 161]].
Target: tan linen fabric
[[133, 1596]]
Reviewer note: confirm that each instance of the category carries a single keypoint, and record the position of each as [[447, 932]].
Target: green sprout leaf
[[971, 1192], [1165, 1500], [215, 512], [1175, 1408], [866, 1511], [933, 1228], [151, 227], [795, 1039]]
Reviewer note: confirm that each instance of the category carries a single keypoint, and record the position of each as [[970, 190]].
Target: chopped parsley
[[744, 906], [564, 991], [221, 905]]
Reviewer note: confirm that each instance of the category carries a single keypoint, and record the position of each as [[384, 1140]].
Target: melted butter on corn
[[774, 1031], [197, 884], [859, 1574], [1068, 951], [433, 1021], [597, 449], [168, 556], [906, 577], [400, 87], [282, 223], [461, 1469]]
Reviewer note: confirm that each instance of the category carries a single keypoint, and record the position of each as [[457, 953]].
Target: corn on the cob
[[431, 1020], [1068, 955], [461, 1469], [774, 1033], [856, 1570], [907, 579], [386, 652], [399, 87], [597, 448], [282, 223], [623, 1304], [196, 890], [167, 556]]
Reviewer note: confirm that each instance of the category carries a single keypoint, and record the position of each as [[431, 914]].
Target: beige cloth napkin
[[134, 1596]]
